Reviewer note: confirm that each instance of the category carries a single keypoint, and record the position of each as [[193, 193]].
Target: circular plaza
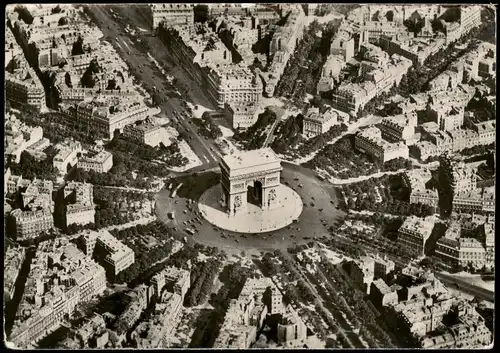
[[318, 213], [254, 218]]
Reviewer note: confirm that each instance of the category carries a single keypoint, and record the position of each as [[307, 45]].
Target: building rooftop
[[118, 250], [382, 286], [420, 226]]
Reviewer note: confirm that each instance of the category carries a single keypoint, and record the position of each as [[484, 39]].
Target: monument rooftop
[[242, 162]]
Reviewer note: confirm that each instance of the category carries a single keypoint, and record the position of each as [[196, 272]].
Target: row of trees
[[322, 140], [271, 267], [210, 127], [304, 69], [29, 167], [129, 156], [341, 157], [394, 207], [389, 187], [207, 328], [112, 178], [142, 151], [203, 275], [113, 206], [352, 302], [288, 134], [418, 77], [143, 261], [255, 136]]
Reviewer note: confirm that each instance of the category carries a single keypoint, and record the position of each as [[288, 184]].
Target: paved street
[[132, 52], [463, 285], [319, 199]]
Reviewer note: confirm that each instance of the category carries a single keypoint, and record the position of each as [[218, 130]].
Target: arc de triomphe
[[257, 170]]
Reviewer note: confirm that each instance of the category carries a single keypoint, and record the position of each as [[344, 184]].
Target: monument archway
[[250, 177]]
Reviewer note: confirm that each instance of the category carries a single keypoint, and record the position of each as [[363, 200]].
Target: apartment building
[[13, 261], [382, 294], [415, 49], [212, 68], [38, 194], [148, 134], [12, 49], [478, 200], [172, 14], [457, 249], [19, 137], [330, 73], [373, 30], [12, 182], [292, 332], [486, 132], [106, 115], [470, 333], [414, 232], [448, 118], [439, 141], [383, 266], [282, 47], [94, 326], [172, 279], [244, 32], [80, 207], [114, 256], [59, 275], [241, 115], [246, 314], [470, 17], [97, 159], [363, 272], [455, 176], [29, 224], [370, 141], [381, 76], [350, 97], [343, 44], [316, 123], [415, 181], [157, 331], [23, 86], [422, 314], [67, 156], [399, 128], [129, 317]]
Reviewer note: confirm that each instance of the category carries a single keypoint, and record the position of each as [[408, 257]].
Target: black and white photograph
[[249, 176]]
